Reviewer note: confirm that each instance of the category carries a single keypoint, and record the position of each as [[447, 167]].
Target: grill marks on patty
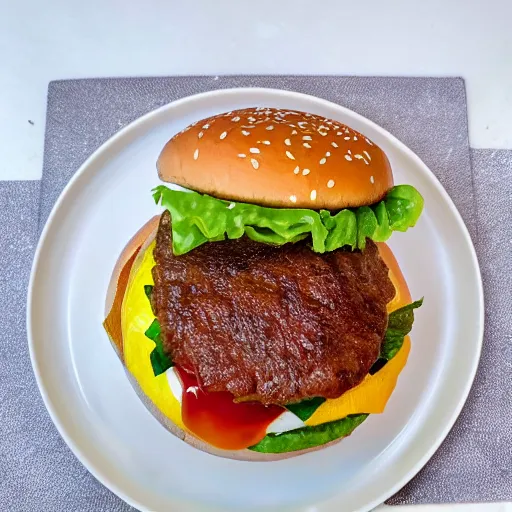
[[272, 324]]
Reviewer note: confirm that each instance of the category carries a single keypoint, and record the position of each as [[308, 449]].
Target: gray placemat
[[37, 470], [475, 461]]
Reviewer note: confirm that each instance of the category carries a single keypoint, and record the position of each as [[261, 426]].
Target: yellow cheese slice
[[371, 396], [136, 317]]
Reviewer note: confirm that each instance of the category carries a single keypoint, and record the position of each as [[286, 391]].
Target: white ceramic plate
[[96, 410]]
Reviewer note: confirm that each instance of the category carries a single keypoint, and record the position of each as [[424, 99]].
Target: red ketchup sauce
[[219, 421]]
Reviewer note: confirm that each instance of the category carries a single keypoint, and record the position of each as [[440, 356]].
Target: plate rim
[[81, 455]]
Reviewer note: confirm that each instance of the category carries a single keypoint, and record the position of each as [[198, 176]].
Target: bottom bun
[[132, 273]]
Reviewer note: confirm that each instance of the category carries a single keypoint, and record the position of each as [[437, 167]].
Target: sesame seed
[[322, 127], [255, 163], [235, 119], [293, 199], [306, 137], [349, 152], [372, 179], [242, 155], [223, 135], [266, 142], [355, 137], [200, 134], [251, 119], [330, 184], [305, 172], [346, 138], [369, 141], [300, 123], [245, 133], [348, 157], [323, 134], [231, 206], [271, 127], [328, 153], [254, 150], [313, 195], [296, 170], [306, 145], [322, 162], [294, 132], [367, 155], [290, 156], [334, 145], [287, 142], [361, 157], [196, 154], [339, 133], [206, 126]]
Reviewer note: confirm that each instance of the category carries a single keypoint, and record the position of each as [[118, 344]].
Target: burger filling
[[246, 345], [275, 325]]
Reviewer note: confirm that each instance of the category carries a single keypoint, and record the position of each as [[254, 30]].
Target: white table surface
[[44, 41]]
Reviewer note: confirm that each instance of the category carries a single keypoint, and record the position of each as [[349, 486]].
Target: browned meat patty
[[272, 324]]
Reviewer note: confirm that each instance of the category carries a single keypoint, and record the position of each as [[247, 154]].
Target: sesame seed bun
[[277, 158]]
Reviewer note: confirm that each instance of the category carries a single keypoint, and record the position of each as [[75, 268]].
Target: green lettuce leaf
[[148, 291], [305, 409], [403, 203], [309, 437], [198, 218], [159, 359], [399, 326]]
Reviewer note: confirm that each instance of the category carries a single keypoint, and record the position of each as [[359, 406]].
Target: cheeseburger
[[261, 315]]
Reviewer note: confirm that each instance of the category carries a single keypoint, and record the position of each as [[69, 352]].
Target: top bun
[[277, 158]]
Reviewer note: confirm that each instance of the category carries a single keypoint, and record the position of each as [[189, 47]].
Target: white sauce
[[174, 383], [284, 423]]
